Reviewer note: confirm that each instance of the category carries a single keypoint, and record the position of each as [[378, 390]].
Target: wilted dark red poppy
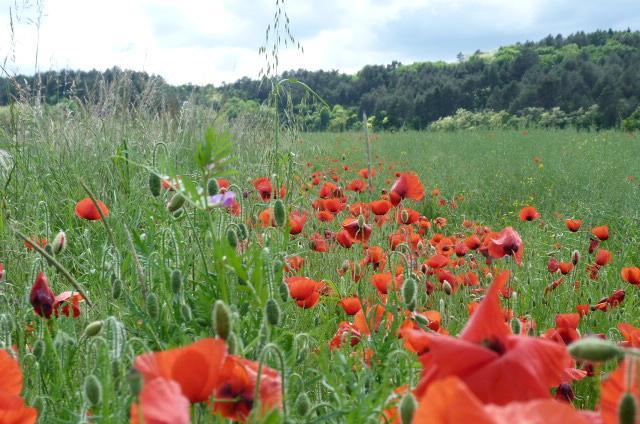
[[42, 297], [529, 213], [86, 209]]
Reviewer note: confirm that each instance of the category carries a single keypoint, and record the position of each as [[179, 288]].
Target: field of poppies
[[156, 271]]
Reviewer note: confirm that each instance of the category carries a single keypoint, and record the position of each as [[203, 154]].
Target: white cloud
[[203, 41]]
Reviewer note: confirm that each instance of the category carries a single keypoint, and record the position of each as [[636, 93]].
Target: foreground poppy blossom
[[161, 402], [239, 377], [450, 401], [42, 297], [195, 367], [529, 213], [497, 366], [623, 381], [86, 209], [407, 186], [12, 406]]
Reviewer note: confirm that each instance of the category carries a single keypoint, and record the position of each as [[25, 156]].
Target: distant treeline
[[583, 80]]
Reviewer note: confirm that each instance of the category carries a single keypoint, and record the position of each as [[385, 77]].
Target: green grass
[[491, 174]]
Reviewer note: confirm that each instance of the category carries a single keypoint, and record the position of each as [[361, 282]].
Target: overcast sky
[[211, 41]]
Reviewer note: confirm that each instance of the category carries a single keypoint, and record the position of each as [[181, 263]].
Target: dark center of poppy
[[495, 345]]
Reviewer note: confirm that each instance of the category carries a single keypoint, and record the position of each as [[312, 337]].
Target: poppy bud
[[177, 214], [575, 257], [176, 281], [42, 297], [284, 291], [279, 213], [116, 288], [243, 231], [93, 390], [361, 221], [627, 409], [155, 184], [176, 202], [153, 306], [594, 349], [39, 348], [263, 338], [232, 343], [59, 243], [272, 311], [408, 406], [213, 187], [277, 265], [446, 286], [185, 311], [421, 319], [232, 237], [404, 216], [93, 328], [222, 319], [409, 289], [135, 381], [302, 405], [516, 326]]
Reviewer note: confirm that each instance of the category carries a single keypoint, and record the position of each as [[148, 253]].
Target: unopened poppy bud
[[277, 265], [135, 381], [516, 326], [421, 319], [594, 349], [153, 306], [409, 289], [345, 265], [272, 311], [185, 311], [575, 257], [232, 237], [93, 390], [116, 288], [243, 231], [39, 349], [404, 215], [59, 243], [222, 319], [213, 187], [407, 407], [627, 409], [155, 184], [93, 328], [176, 281], [279, 213], [177, 214], [232, 343], [302, 405], [284, 291], [446, 286], [176, 202], [361, 221]]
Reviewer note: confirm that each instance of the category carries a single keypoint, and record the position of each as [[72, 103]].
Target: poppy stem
[[136, 261], [56, 264]]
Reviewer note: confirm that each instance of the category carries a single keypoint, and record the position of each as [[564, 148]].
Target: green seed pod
[[176, 281], [595, 349], [213, 187], [153, 306], [116, 288], [627, 409], [404, 215], [361, 221], [302, 405], [222, 320], [243, 231], [407, 407], [155, 184], [176, 202], [279, 213], [232, 237], [93, 328], [272, 311], [284, 291], [135, 381], [185, 311], [516, 326], [177, 214], [277, 266], [232, 343], [422, 320], [409, 291], [93, 390], [39, 349]]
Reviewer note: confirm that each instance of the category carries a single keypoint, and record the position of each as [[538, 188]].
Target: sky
[[216, 41]]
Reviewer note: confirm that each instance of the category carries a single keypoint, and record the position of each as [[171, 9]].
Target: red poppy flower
[[305, 291], [356, 231], [507, 243], [328, 190], [86, 209], [438, 261], [12, 406], [565, 267], [529, 213], [631, 275], [319, 243], [620, 382], [266, 218], [264, 187], [294, 263], [473, 242], [161, 402], [42, 297], [451, 401], [357, 185], [376, 257], [553, 265], [566, 331], [612, 301], [345, 330], [381, 207], [351, 305], [325, 216], [297, 220], [195, 367], [381, 281], [601, 232], [407, 186], [236, 392], [574, 224], [68, 302], [604, 257], [344, 239], [491, 361], [630, 333]]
